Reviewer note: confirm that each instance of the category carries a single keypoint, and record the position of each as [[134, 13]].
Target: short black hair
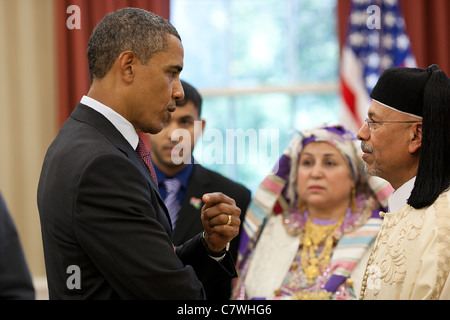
[[138, 30], [191, 94]]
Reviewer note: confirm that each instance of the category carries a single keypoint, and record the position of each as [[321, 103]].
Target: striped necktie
[[145, 156], [172, 186]]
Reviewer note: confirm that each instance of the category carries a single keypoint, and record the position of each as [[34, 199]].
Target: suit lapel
[[90, 116]]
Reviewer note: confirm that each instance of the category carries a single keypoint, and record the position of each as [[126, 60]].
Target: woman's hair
[[133, 29]]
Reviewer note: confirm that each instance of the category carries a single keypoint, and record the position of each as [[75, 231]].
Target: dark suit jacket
[[189, 223], [101, 211], [15, 277]]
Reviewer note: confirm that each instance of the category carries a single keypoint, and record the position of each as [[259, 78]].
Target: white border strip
[[392, 108]]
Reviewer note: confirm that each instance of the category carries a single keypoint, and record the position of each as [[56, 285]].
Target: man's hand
[[220, 218]]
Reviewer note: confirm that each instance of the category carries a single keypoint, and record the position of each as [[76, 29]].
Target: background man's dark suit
[[189, 224], [101, 211], [15, 277]]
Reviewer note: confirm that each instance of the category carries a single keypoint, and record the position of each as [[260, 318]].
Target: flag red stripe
[[349, 99]]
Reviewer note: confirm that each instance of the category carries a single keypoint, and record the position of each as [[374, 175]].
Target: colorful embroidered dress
[[270, 257]]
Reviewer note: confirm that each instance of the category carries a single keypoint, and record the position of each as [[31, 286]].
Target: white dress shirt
[[121, 124], [399, 197]]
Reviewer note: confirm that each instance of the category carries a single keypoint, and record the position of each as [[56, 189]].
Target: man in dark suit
[[106, 231], [173, 159], [15, 277]]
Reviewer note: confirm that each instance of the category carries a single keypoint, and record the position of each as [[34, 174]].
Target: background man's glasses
[[370, 123]]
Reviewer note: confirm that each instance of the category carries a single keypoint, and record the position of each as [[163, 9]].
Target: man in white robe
[[406, 140]]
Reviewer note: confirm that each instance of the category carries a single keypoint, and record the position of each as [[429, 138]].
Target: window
[[264, 69]]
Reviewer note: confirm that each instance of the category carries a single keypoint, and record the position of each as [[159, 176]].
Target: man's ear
[[416, 137], [203, 124], [126, 63]]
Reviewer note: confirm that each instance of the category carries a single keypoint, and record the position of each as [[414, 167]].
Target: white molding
[[301, 88]]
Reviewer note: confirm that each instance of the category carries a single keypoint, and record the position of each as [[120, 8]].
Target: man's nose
[[363, 132], [317, 170], [178, 92]]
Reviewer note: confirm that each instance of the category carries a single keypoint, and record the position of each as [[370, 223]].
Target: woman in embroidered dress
[[310, 226]]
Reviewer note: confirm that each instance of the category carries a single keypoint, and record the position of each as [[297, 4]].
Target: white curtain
[[27, 113]]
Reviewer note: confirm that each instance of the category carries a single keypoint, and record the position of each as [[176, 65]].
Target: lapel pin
[[196, 203]]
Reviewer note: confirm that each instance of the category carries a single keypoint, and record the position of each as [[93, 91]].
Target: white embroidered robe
[[411, 255]]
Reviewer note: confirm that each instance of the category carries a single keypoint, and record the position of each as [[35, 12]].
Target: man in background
[[15, 277], [173, 160]]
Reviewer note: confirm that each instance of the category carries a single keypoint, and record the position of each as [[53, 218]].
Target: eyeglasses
[[370, 123]]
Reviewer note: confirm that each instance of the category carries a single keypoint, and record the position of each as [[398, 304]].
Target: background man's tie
[[172, 186], [143, 153]]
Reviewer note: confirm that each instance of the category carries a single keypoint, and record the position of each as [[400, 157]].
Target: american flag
[[376, 40]]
